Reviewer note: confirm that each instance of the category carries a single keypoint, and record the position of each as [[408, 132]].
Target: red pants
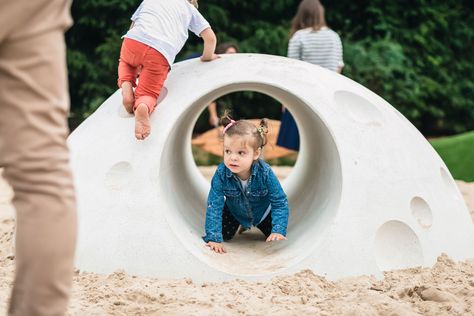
[[138, 58]]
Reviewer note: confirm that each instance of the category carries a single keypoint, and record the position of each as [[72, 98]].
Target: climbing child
[[244, 190], [158, 32]]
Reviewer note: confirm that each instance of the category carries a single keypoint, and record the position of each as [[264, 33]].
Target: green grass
[[204, 158], [458, 154], [288, 160]]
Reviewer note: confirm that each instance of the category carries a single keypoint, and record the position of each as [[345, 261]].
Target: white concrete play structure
[[368, 193]]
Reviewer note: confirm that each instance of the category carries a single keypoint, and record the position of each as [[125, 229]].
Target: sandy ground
[[445, 289]]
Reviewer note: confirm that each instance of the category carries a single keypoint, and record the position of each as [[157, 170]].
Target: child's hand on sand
[[216, 246], [275, 236]]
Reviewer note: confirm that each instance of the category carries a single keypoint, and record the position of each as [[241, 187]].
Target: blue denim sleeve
[[279, 204], [215, 205]]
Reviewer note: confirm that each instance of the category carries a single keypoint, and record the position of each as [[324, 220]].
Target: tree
[[415, 54]]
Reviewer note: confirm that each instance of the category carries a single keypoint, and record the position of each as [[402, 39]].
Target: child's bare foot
[[142, 122], [128, 96]]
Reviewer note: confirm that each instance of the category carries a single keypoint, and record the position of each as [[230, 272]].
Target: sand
[[445, 289]]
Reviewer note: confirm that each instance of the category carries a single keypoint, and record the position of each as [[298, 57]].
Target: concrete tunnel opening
[[313, 188]]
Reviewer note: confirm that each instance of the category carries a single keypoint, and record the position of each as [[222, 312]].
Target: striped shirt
[[322, 47]]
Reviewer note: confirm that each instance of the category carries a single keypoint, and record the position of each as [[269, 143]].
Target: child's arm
[[279, 210], [213, 119], [215, 206], [210, 41]]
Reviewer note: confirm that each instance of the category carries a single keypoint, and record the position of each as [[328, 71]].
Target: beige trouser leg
[[33, 128]]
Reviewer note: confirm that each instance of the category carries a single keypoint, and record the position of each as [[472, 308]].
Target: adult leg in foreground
[[34, 104]]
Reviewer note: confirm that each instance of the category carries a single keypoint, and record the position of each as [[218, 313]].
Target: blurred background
[[415, 54]]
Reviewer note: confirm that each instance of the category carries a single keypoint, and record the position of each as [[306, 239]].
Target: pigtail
[[227, 121], [262, 130], [225, 118]]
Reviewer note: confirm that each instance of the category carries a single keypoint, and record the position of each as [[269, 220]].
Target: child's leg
[[128, 71], [229, 224], [128, 98], [266, 225], [152, 76]]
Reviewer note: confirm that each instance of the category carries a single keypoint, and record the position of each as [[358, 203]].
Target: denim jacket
[[263, 189]]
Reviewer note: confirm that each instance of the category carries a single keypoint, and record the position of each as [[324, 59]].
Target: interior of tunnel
[[313, 189]]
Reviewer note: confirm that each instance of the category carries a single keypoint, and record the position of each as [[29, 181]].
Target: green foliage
[[429, 77], [204, 158], [415, 54], [288, 160], [458, 154], [93, 50]]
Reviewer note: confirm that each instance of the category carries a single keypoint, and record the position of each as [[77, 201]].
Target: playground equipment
[[368, 193]]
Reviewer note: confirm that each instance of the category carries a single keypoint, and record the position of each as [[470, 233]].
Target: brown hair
[[223, 47], [247, 128], [310, 14]]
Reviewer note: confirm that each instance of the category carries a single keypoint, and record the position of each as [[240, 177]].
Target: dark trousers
[[230, 225]]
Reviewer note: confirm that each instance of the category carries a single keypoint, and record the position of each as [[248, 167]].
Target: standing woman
[[311, 40]]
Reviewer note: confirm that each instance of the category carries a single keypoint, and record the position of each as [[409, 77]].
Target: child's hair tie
[[232, 122], [262, 130]]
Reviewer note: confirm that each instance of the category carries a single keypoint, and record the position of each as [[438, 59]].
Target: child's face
[[239, 155]]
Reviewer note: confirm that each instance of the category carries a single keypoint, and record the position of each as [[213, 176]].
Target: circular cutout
[[315, 194], [118, 176], [358, 108], [421, 211], [397, 246], [449, 183]]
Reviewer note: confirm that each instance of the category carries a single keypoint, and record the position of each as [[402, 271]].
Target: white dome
[[368, 192]]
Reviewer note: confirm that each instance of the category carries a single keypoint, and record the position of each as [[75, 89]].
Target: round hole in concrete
[[397, 246], [421, 211], [207, 141], [118, 175], [313, 189], [358, 108]]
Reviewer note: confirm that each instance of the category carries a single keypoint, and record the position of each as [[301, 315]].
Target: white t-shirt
[[164, 25]]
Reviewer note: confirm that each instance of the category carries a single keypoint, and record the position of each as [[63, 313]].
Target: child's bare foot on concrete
[[128, 96], [142, 122]]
